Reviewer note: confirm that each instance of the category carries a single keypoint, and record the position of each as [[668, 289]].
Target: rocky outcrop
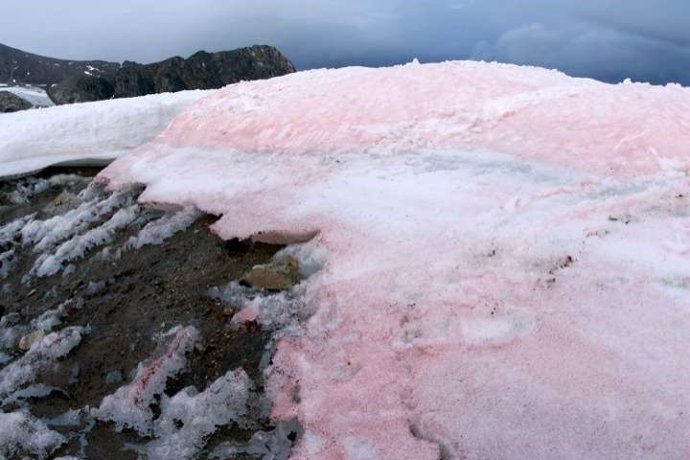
[[10, 102], [68, 82], [82, 88], [201, 71]]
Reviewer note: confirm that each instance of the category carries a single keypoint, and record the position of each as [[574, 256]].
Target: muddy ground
[[126, 303]]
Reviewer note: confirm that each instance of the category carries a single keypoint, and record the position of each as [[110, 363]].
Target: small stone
[[29, 339], [277, 276]]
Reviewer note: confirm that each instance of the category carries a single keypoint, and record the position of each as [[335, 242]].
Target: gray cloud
[[607, 39]]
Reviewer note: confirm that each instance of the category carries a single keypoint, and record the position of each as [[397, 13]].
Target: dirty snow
[[482, 295], [130, 405], [74, 225], [159, 230], [41, 354], [189, 417]]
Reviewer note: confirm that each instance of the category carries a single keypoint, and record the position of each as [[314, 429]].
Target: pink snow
[[508, 269]]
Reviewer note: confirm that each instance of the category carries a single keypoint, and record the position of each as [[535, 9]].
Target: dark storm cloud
[[607, 39]]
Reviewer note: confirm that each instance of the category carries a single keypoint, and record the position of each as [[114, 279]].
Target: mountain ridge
[[71, 81]]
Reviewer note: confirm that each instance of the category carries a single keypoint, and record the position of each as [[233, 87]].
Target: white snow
[[88, 133]]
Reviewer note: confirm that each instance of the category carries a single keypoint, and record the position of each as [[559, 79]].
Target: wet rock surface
[[116, 285]]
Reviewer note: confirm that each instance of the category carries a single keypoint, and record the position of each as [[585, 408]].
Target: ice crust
[[507, 255]]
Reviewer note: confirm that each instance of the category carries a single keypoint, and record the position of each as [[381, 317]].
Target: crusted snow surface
[[88, 133], [20, 433], [507, 259], [130, 405]]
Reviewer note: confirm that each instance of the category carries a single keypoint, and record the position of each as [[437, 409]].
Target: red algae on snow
[[508, 270]]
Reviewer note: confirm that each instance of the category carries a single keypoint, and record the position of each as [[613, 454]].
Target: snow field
[[506, 271]]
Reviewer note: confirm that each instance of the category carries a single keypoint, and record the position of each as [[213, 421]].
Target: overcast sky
[[647, 40]]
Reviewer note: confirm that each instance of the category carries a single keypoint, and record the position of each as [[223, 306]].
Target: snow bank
[[536, 113], [89, 133], [507, 254]]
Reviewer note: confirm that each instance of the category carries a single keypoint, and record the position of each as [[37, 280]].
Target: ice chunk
[[20, 433], [188, 418], [41, 354], [282, 310], [159, 230], [11, 331]]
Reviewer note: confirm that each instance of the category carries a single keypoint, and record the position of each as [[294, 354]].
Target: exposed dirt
[[126, 303]]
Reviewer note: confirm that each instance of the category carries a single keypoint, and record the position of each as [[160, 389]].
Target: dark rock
[[82, 88], [19, 67], [10, 102], [201, 71]]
